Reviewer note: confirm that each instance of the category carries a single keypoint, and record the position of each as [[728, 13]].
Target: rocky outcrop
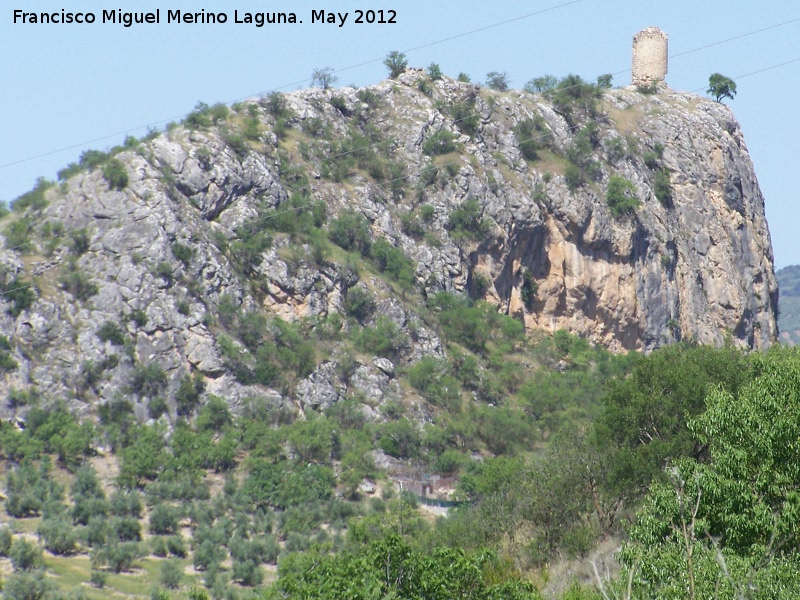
[[694, 262]]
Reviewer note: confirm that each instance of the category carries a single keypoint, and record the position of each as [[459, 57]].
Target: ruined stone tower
[[650, 52]]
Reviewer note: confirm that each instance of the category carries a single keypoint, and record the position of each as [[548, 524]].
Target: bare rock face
[[691, 260]]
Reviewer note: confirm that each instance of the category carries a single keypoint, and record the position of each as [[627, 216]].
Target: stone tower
[[650, 52]]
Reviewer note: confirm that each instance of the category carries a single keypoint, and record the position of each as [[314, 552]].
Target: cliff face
[[474, 186]]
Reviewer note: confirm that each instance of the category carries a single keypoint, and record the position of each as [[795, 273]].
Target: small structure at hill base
[[650, 57]]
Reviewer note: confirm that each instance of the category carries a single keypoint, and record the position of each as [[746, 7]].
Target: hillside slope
[[630, 220]]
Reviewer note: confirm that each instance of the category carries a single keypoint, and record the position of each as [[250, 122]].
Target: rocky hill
[[292, 247]]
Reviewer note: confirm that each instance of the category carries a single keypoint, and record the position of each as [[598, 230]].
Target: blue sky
[[68, 84]]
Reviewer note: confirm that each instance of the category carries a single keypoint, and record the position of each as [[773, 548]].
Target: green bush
[[496, 80], [29, 489], [171, 574], [204, 116], [441, 142], [176, 547], [6, 539], [298, 216], [604, 82], [79, 284], [393, 262], [98, 578], [533, 135], [111, 332], [580, 153], [528, 290], [574, 177], [148, 380], [207, 555], [351, 231], [214, 415], [573, 95], [384, 339], [662, 187], [29, 585], [163, 520], [187, 396], [359, 304], [340, 104], [284, 484], [411, 225], [118, 556], [466, 222], [545, 83], [20, 293], [399, 439], [87, 506], [475, 325], [115, 173], [143, 458], [237, 142], [164, 270], [431, 378], [247, 252], [621, 196], [139, 317], [35, 199], [17, 235], [126, 504], [435, 72], [183, 253], [26, 556], [157, 407], [97, 532], [59, 535], [80, 241], [396, 62]]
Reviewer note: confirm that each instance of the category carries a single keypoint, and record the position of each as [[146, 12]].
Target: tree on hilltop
[[323, 78], [396, 62], [721, 87]]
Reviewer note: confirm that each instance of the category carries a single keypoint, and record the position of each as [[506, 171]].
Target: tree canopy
[[720, 86]]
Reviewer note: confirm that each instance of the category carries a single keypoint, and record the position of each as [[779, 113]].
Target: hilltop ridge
[[630, 220]]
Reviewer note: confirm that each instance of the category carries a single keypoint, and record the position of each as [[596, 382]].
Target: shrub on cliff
[[621, 196]]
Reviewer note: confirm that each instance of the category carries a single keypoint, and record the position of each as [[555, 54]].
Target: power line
[[288, 85], [375, 144], [673, 56], [389, 181], [375, 60]]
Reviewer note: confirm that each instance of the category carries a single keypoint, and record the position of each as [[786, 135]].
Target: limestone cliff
[[500, 195]]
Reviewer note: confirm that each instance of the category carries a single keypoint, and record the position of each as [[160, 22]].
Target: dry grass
[[625, 121], [564, 572], [550, 162]]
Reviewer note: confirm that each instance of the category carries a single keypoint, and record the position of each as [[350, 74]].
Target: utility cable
[[375, 144], [389, 181], [288, 85], [372, 61]]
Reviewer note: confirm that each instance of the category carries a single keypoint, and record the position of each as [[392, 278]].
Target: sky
[[71, 87]]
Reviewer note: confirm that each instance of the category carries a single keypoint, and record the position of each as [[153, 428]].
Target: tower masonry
[[650, 56]]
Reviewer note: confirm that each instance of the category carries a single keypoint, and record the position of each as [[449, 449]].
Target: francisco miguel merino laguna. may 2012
[[128, 19]]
